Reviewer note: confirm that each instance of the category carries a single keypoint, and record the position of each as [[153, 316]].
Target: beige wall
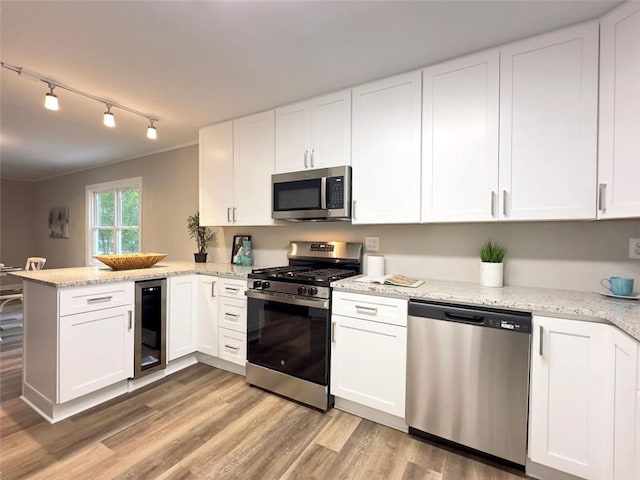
[[17, 207], [169, 195]]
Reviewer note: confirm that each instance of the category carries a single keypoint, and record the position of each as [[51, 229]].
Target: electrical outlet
[[634, 248], [372, 244]]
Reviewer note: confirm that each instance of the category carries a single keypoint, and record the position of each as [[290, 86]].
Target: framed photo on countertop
[[237, 244]]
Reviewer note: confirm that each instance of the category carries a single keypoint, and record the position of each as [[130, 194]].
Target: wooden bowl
[[130, 261]]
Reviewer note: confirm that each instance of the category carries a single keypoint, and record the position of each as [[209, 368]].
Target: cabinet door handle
[[99, 299], [306, 156], [130, 320], [312, 152], [229, 214], [493, 203], [353, 209], [504, 203], [231, 347], [602, 196], [234, 214], [367, 310], [333, 332], [541, 333], [213, 289]]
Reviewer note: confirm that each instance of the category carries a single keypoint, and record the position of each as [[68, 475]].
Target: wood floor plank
[[338, 430], [417, 472], [312, 464]]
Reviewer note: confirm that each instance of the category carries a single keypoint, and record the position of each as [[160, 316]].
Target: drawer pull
[[232, 289], [234, 315], [100, 299], [367, 310], [231, 347]]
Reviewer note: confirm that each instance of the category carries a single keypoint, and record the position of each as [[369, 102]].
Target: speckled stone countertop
[[77, 276], [625, 314]]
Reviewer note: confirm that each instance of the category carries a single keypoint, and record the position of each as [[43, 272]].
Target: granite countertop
[[625, 314], [77, 276]]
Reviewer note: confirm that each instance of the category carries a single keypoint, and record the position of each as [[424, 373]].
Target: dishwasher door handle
[[464, 318]]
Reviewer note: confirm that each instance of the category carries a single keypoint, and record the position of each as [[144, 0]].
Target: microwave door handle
[[323, 193]]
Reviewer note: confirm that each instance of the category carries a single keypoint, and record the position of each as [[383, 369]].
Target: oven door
[[289, 335]]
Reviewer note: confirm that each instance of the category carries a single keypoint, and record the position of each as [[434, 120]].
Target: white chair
[[35, 263]]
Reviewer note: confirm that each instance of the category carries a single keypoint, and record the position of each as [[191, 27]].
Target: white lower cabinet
[[232, 346], [232, 321], [182, 315], [96, 350], [581, 415], [368, 357], [207, 323]]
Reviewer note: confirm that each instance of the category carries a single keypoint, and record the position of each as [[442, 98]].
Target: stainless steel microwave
[[321, 194]]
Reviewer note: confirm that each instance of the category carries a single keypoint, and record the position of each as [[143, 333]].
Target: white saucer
[[634, 296]]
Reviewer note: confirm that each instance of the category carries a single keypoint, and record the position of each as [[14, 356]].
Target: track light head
[[152, 133], [51, 100], [109, 120]]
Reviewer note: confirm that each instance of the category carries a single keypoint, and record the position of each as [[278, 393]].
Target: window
[[113, 217]]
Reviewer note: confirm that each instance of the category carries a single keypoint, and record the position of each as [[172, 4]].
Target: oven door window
[[298, 195], [291, 339]]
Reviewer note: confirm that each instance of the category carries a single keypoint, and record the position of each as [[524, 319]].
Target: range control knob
[[313, 291], [257, 284], [302, 290], [265, 285]]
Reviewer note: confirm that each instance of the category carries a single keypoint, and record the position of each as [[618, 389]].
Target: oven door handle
[[303, 302]]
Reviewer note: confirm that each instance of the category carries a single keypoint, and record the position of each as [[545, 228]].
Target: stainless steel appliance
[[321, 194], [289, 320], [468, 378], [150, 351]]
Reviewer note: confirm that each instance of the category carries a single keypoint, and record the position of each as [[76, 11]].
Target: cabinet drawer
[[232, 288], [232, 346], [233, 314], [371, 307], [87, 299]]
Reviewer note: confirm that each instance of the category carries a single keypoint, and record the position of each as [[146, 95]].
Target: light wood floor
[[205, 423]]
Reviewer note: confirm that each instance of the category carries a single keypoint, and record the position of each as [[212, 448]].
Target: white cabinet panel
[[216, 174], [386, 150], [233, 314], [207, 331], [369, 307], [637, 445], [233, 346], [548, 125], [460, 139], [292, 138], [368, 363], [96, 350], [182, 316], [619, 146]]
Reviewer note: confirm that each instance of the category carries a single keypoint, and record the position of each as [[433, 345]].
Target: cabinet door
[[292, 138], [386, 150], [548, 126], [626, 448], [216, 174], [570, 408], [460, 139], [618, 161], [183, 298], [96, 350], [253, 165], [331, 130], [207, 331], [368, 363]]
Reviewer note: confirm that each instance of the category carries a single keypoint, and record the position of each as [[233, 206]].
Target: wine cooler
[[151, 327]]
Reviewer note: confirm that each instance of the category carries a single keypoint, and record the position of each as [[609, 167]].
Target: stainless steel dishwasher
[[468, 378]]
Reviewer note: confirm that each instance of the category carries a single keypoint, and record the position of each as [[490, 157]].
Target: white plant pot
[[491, 274]]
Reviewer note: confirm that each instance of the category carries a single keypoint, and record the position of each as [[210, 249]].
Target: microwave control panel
[[335, 192]]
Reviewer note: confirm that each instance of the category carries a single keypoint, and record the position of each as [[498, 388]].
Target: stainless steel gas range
[[289, 320]]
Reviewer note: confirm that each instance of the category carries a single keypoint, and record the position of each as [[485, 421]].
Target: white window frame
[[91, 190]]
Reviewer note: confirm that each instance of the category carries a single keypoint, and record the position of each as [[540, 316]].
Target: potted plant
[[202, 235], [491, 268]]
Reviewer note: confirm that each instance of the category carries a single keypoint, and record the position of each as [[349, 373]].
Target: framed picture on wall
[[237, 244]]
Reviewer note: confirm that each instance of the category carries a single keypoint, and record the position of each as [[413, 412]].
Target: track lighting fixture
[[152, 133], [109, 120], [51, 100]]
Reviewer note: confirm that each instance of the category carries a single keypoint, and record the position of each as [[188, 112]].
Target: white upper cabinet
[[619, 146], [236, 163], [460, 139], [253, 164], [216, 173], [314, 134], [548, 126], [386, 150]]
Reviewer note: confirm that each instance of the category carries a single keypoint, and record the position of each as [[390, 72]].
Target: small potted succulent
[[491, 268], [202, 235]]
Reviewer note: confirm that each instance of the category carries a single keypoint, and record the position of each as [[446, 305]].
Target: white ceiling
[[195, 63]]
